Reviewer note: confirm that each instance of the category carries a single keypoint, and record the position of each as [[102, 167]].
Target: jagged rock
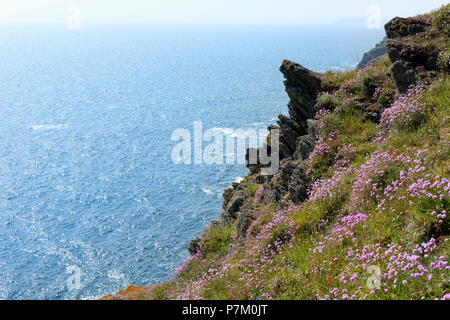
[[409, 60], [253, 167], [290, 130], [243, 224], [305, 145], [404, 75], [298, 184], [374, 53], [286, 169], [227, 194], [302, 87], [285, 152], [233, 206], [413, 53], [403, 27], [272, 192], [194, 247], [312, 128], [277, 187], [299, 76], [393, 50]]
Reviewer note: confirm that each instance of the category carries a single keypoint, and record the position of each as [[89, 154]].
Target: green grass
[[251, 189], [311, 264]]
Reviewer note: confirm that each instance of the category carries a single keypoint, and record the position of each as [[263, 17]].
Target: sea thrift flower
[[405, 111], [258, 195]]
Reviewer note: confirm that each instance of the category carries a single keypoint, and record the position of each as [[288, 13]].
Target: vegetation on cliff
[[359, 208]]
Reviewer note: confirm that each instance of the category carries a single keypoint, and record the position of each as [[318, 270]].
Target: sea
[[91, 199]]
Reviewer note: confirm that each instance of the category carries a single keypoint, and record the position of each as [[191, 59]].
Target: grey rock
[[227, 194], [243, 224], [403, 27], [312, 128], [286, 169], [194, 247], [302, 87], [273, 192], [285, 152], [298, 184], [233, 206], [290, 130], [411, 60], [305, 145], [277, 187], [404, 75]]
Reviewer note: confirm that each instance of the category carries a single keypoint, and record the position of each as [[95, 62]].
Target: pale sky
[[271, 12]]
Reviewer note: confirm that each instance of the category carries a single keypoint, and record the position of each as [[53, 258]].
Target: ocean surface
[[87, 182]]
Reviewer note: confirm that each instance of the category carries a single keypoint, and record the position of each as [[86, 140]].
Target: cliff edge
[[359, 206]]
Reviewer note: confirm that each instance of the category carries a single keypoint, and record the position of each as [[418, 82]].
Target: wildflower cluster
[[258, 195], [185, 263], [329, 189], [274, 238], [406, 112], [371, 176]]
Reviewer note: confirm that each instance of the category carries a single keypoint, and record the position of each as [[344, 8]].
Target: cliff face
[[297, 140], [363, 184], [413, 47], [378, 51], [412, 60]]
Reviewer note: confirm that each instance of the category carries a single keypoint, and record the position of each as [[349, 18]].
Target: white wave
[[49, 126], [207, 191], [238, 179], [116, 275], [237, 133]]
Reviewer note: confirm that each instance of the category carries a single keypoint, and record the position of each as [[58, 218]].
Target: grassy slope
[[379, 201]]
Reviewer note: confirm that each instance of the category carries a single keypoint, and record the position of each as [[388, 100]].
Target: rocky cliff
[[363, 185], [413, 47], [378, 51], [297, 141], [412, 60]]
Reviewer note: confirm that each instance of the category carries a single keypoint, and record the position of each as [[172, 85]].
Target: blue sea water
[[86, 116]]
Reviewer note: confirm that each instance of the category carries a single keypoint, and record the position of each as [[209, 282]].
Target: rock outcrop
[[411, 60], [244, 222], [260, 225], [297, 140], [302, 87], [298, 132], [233, 200], [405, 27], [374, 53]]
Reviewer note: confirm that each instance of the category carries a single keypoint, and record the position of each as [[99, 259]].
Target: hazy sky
[[207, 11]]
